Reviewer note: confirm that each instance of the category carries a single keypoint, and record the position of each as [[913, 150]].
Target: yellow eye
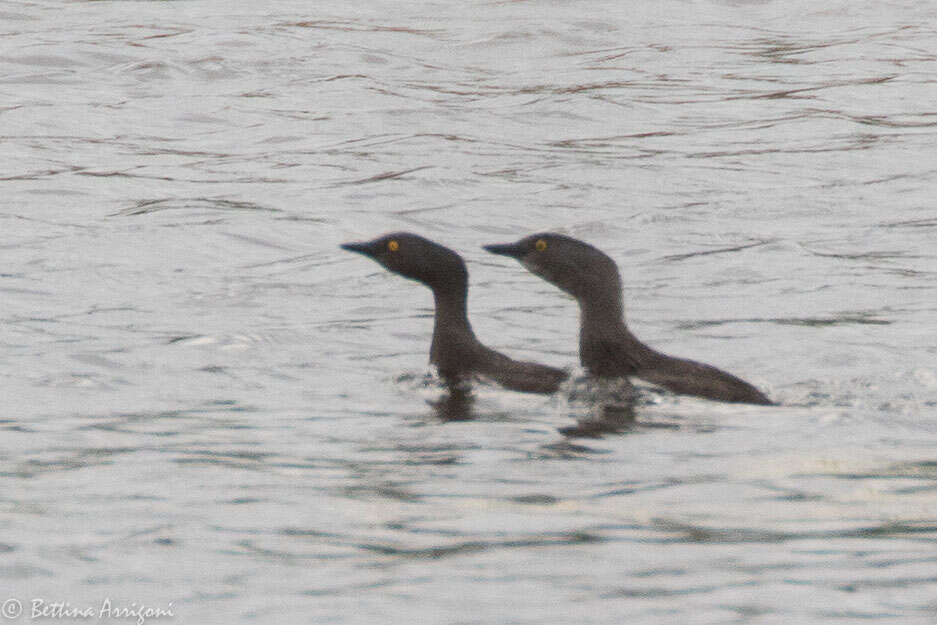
[[393, 246], [540, 245]]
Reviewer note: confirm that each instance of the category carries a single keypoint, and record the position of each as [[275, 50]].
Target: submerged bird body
[[455, 351], [607, 348]]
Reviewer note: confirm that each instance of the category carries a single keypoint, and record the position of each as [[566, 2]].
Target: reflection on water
[[454, 405], [207, 405]]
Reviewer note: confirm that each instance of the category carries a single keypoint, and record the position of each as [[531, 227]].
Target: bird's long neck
[[605, 311], [606, 346], [451, 309], [599, 295], [453, 339]]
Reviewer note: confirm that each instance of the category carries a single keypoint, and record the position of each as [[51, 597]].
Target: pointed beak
[[365, 247], [506, 249]]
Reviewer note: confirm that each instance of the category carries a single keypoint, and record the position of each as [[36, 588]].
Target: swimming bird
[[455, 351], [607, 348]]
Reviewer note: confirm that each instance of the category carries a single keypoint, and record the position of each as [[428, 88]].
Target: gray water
[[211, 409]]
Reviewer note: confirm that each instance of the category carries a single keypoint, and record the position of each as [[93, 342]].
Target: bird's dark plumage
[[607, 348], [455, 351]]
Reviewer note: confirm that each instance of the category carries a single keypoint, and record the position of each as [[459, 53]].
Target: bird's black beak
[[507, 249], [368, 248]]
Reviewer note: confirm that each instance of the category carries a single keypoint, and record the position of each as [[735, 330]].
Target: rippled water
[[209, 406]]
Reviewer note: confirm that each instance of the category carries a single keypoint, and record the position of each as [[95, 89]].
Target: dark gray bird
[[455, 351], [607, 349]]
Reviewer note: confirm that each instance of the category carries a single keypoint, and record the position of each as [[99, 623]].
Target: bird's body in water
[[607, 348], [454, 351]]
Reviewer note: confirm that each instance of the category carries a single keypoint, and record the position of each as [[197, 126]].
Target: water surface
[[209, 405]]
